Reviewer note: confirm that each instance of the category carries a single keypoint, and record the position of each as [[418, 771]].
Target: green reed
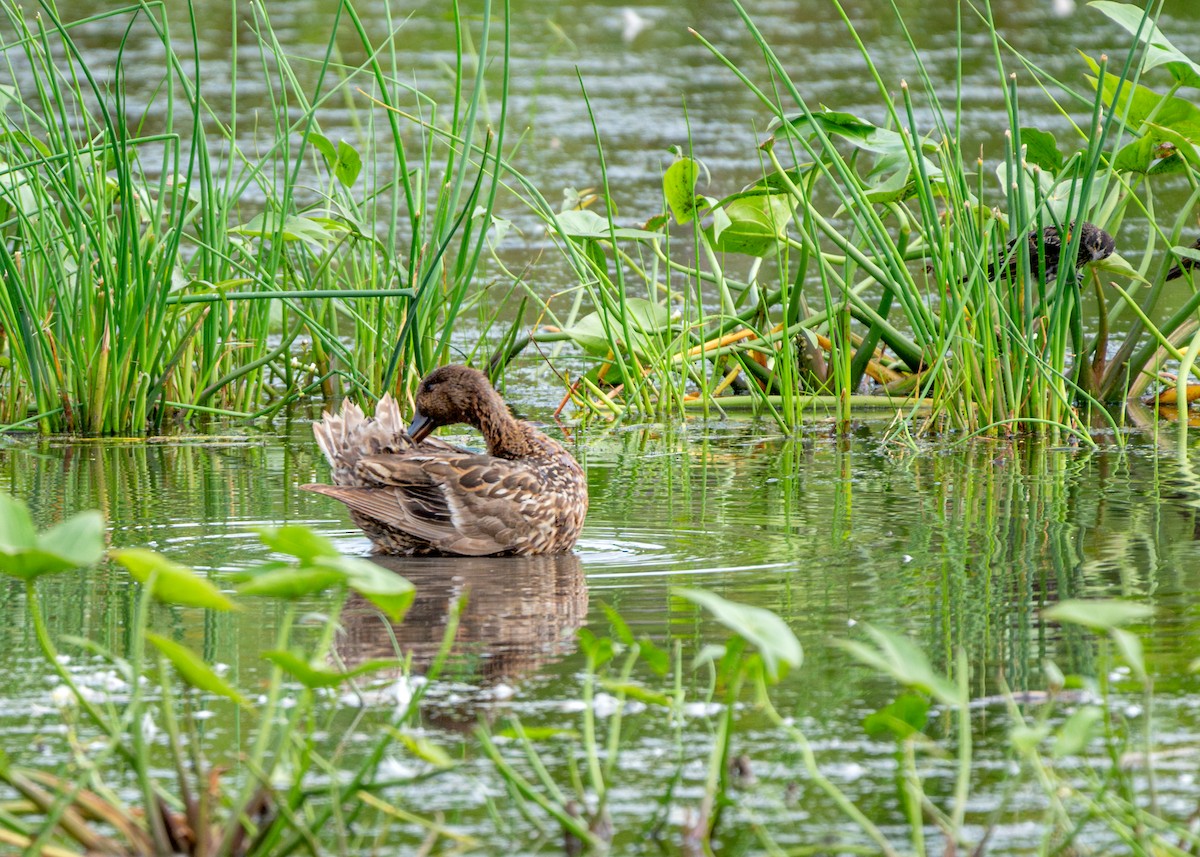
[[173, 261], [864, 250]]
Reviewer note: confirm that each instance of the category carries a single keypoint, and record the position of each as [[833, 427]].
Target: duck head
[[451, 394]]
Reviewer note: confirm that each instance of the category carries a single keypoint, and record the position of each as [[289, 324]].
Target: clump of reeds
[[159, 260], [869, 257]]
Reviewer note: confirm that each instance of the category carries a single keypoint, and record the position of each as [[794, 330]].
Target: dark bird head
[[449, 395], [1094, 244]]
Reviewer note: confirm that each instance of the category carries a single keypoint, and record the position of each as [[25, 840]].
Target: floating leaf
[[74, 543], [1099, 615], [679, 188], [192, 668], [313, 677], [756, 625], [171, 583]]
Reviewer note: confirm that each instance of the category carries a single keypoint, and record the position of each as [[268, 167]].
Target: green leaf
[[1159, 50], [348, 164], [16, 525], [291, 228], [1026, 740], [387, 590], [647, 321], [1099, 615], [756, 625], [170, 582], [298, 541], [77, 542], [1042, 149], [620, 629], [756, 224], [425, 750], [636, 691], [313, 677], [657, 659], [192, 668], [1138, 103], [582, 223], [599, 650], [679, 188], [1073, 736], [290, 582], [899, 657], [904, 716], [1130, 646], [1115, 263]]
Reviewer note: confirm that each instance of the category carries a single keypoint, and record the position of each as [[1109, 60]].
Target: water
[[953, 546], [957, 546]]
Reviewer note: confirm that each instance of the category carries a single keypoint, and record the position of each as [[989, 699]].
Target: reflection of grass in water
[[987, 522]]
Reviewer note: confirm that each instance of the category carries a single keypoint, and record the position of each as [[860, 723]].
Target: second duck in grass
[[416, 495]]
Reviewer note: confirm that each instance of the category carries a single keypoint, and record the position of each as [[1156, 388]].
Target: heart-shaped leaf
[[170, 582]]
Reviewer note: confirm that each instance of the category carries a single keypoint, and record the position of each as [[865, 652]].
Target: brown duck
[[414, 495]]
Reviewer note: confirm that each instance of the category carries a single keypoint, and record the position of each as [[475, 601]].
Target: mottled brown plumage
[[1094, 244], [415, 495]]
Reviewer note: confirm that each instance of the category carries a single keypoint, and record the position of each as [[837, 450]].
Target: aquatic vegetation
[[289, 787], [143, 776], [156, 265], [862, 260], [415, 495]]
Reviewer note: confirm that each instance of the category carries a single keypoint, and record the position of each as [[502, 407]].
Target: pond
[[957, 547], [957, 544]]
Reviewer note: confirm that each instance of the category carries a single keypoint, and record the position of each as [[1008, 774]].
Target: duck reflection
[[521, 613]]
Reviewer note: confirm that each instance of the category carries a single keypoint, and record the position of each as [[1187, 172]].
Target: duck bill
[[420, 427]]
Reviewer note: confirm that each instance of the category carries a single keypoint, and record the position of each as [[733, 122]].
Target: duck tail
[[348, 435]]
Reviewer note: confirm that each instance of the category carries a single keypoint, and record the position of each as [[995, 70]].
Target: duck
[[416, 495]]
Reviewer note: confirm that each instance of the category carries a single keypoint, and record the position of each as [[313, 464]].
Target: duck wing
[[462, 503]]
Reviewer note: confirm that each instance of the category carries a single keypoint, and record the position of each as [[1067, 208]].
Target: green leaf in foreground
[[900, 718], [756, 625], [170, 582], [313, 677], [297, 541], [24, 553], [192, 668], [1072, 737], [904, 661], [1099, 615], [387, 590], [289, 582]]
